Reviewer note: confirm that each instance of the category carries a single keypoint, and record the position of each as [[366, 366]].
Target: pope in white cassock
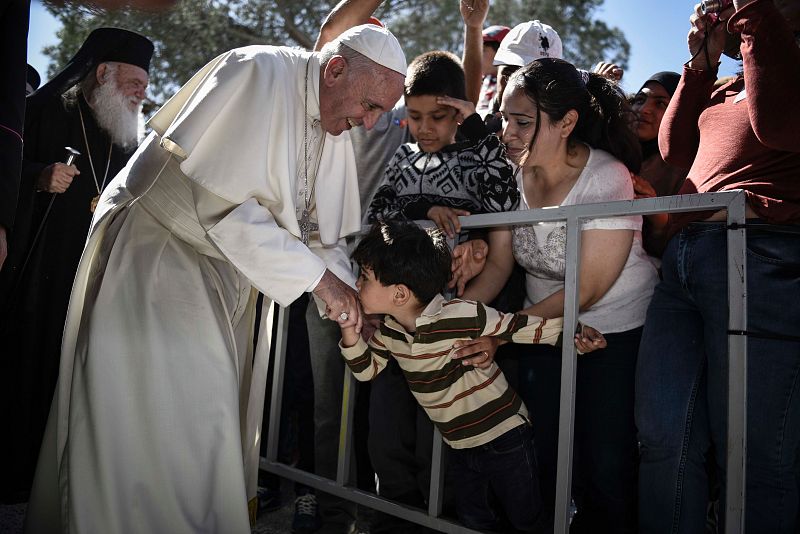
[[245, 185]]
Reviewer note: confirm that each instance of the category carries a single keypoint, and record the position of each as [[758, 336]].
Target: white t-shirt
[[540, 249]]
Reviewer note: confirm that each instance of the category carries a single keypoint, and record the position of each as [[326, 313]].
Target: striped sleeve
[[519, 328], [366, 360]]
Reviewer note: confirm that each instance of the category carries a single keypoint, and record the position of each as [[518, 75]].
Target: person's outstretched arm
[[473, 12], [345, 15]]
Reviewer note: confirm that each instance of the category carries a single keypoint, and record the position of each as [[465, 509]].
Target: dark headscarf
[[102, 45], [667, 79]]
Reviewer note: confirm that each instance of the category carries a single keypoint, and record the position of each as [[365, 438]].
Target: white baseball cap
[[378, 44], [528, 42]]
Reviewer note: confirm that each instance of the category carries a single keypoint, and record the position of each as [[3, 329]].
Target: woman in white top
[[567, 131]]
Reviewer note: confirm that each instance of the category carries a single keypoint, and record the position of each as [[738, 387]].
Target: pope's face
[[351, 98]]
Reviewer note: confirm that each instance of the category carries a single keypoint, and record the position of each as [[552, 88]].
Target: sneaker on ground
[[306, 519]]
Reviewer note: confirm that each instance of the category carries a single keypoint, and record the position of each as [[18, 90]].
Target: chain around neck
[[97, 184]]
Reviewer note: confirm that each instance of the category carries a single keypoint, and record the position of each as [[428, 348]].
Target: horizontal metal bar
[[642, 206], [364, 498], [619, 208]]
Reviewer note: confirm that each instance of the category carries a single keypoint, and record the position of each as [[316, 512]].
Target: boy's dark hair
[[436, 73], [403, 253]]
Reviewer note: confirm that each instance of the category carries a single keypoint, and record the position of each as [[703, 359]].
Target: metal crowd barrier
[[733, 201]]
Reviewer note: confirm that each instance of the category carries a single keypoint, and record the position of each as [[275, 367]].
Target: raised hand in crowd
[[57, 178], [705, 52], [468, 261], [474, 13], [611, 71]]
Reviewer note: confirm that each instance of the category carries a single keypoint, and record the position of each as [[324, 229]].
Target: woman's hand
[[643, 189], [587, 339], [469, 258], [715, 43], [477, 352], [447, 219]]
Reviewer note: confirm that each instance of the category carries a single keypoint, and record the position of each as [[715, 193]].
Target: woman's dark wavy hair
[[556, 86]]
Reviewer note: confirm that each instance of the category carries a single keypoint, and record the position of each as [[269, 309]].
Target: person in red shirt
[[745, 134]]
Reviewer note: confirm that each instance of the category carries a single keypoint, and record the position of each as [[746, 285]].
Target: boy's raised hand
[[446, 219], [465, 108]]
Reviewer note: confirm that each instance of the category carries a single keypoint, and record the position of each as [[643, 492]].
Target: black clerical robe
[[35, 285]]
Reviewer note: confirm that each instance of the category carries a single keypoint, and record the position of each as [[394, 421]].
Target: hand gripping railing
[[732, 201]]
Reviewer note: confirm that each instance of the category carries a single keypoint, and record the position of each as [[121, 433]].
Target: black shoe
[[306, 519]]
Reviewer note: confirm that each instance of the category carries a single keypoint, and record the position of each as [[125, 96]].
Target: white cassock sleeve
[[234, 128], [269, 256]]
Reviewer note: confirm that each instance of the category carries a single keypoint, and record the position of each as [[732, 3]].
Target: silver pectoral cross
[[306, 227]]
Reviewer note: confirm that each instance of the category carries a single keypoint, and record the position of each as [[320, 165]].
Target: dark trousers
[[496, 484], [605, 450], [400, 446]]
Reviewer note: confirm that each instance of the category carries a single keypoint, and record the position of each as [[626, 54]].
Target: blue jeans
[[500, 475], [681, 382]]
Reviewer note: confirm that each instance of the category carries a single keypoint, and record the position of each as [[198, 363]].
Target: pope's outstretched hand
[[341, 301]]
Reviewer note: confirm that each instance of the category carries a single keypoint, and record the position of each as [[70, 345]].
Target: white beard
[[113, 113]]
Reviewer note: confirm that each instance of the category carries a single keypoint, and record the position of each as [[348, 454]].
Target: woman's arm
[[474, 14], [771, 66], [499, 264], [679, 135], [603, 256], [343, 16]]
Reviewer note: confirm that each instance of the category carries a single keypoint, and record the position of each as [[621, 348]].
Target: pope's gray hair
[[356, 61]]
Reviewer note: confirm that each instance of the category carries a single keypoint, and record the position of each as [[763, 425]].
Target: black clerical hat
[[103, 44], [32, 79]]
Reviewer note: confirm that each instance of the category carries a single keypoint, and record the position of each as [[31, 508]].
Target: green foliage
[[196, 31]]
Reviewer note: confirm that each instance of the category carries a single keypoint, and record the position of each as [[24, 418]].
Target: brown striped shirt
[[469, 406]]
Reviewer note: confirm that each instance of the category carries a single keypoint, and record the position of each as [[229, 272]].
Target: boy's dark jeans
[[498, 483]]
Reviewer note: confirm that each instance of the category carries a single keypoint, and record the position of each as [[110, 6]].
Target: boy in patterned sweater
[[437, 178], [403, 270]]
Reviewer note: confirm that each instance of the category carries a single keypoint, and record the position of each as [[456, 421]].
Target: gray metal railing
[[732, 201]]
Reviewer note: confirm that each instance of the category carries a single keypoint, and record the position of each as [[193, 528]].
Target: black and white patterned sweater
[[473, 175]]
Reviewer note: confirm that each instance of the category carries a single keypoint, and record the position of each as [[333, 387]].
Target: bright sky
[[655, 29]]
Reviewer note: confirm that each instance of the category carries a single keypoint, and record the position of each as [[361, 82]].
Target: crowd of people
[[138, 293]]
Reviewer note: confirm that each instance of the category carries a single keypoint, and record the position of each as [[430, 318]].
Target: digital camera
[[712, 8]]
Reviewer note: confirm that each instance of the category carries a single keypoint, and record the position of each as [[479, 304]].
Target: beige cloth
[[155, 424]]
